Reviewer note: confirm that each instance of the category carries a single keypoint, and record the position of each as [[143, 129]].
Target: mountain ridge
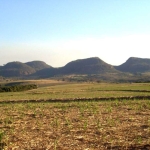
[[135, 65], [16, 68], [38, 65], [92, 65]]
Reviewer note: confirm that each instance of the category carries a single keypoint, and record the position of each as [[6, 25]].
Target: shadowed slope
[[12, 69], [135, 65]]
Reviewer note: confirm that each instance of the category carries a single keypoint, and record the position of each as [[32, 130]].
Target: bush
[[18, 88]]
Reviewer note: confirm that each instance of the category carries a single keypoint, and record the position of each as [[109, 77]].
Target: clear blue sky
[[58, 31]]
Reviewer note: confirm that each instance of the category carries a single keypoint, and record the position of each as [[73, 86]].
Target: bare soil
[[103, 125]]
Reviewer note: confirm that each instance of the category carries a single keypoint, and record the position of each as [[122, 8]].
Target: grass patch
[[78, 90]]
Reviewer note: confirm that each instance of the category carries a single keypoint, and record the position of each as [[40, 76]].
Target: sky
[[59, 31]]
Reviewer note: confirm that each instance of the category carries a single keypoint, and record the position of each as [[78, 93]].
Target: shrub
[[17, 88]]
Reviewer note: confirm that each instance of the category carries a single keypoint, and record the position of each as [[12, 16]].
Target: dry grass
[[76, 125]]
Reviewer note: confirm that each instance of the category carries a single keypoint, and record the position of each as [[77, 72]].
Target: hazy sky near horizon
[[59, 31]]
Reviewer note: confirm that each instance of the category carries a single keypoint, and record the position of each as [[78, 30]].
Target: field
[[95, 124], [65, 90]]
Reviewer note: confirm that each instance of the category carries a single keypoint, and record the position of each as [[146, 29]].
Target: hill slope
[[81, 66], [13, 69], [92, 65], [135, 65], [16, 69], [38, 65]]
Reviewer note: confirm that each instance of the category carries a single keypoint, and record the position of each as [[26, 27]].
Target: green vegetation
[[17, 88], [2, 143], [66, 90]]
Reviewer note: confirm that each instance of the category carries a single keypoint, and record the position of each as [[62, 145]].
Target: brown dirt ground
[[116, 125]]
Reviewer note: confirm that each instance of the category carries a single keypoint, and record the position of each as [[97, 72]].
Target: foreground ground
[[74, 126], [83, 125]]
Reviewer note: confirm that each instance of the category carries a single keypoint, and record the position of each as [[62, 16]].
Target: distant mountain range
[[86, 66]]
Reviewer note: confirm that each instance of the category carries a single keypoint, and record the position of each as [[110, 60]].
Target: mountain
[[92, 65], [38, 65], [135, 65], [134, 69], [16, 68]]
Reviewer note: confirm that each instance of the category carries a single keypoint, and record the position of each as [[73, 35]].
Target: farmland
[[66, 90], [74, 125]]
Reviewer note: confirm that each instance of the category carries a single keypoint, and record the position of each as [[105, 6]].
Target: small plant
[[55, 123], [98, 124], [2, 144], [55, 144], [8, 121], [68, 123], [116, 102], [63, 108], [85, 125], [1, 135], [82, 110], [109, 109], [110, 122], [138, 140]]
